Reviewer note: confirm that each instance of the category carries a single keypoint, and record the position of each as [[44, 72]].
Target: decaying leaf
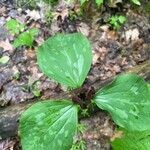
[[6, 45]]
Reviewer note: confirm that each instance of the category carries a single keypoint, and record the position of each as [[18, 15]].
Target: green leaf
[[148, 86], [132, 141], [66, 58], [127, 99], [48, 125], [99, 2], [137, 2], [26, 38], [4, 59], [117, 20], [14, 26]]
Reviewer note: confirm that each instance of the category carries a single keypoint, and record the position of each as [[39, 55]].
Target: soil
[[113, 53]]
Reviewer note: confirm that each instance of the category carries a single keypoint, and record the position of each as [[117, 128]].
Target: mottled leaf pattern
[[48, 125], [66, 58], [132, 141], [127, 99]]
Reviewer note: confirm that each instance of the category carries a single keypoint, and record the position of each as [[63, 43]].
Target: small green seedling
[[25, 37], [116, 21], [52, 124]]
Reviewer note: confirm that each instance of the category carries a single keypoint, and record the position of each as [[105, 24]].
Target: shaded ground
[[113, 52]]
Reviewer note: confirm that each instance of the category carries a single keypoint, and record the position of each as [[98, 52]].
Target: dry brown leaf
[[39, 40], [2, 10], [132, 34], [116, 69], [112, 35], [104, 28], [35, 15], [29, 53], [35, 74], [6, 45], [108, 34], [117, 134], [99, 53], [64, 13], [95, 58], [83, 28]]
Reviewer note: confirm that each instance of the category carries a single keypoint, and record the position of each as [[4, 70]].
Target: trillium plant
[[51, 124]]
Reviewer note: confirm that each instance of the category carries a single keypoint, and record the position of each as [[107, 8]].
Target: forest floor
[[113, 53]]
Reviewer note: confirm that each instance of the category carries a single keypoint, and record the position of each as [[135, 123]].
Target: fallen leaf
[[63, 13], [30, 53], [39, 40], [6, 45], [2, 10], [104, 28], [35, 73], [99, 53], [132, 34], [83, 28], [117, 134], [35, 15]]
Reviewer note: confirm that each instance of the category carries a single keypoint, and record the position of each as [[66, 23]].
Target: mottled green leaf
[[14, 26], [127, 99], [26, 38], [48, 125], [132, 141], [66, 58]]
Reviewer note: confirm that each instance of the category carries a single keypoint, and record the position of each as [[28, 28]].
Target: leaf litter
[[113, 52]]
